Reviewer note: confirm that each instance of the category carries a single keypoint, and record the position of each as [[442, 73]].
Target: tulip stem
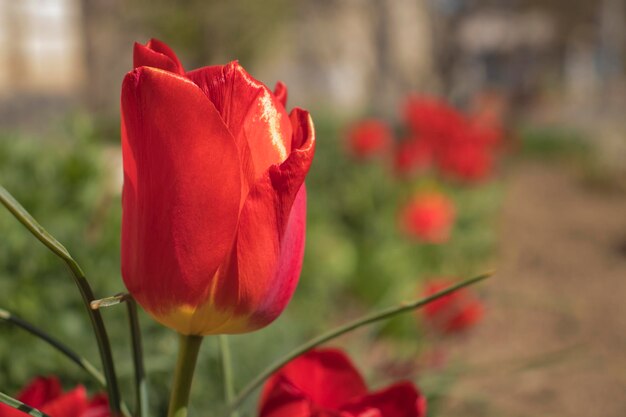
[[227, 370], [341, 330], [104, 347], [188, 347]]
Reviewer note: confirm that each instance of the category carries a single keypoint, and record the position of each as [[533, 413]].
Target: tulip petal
[[399, 400], [264, 267], [285, 400], [255, 117], [40, 391], [289, 265], [280, 92], [181, 192], [70, 404], [158, 55], [7, 411], [326, 377], [98, 407]]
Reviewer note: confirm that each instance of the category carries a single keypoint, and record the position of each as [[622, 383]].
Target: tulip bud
[[214, 202]]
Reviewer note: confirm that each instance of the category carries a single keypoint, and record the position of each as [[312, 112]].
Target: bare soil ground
[[553, 342]]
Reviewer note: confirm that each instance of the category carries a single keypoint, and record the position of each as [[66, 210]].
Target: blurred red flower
[[368, 138], [462, 148], [325, 383], [430, 118], [454, 312], [429, 217], [46, 395], [466, 156]]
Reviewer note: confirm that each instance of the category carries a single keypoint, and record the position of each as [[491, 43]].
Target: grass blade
[[55, 343], [24, 217]]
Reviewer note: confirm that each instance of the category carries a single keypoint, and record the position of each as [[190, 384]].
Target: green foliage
[[553, 143], [356, 261]]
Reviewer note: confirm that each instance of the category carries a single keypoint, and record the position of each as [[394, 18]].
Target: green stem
[[188, 347], [141, 386], [227, 370], [371, 318], [20, 406], [95, 317]]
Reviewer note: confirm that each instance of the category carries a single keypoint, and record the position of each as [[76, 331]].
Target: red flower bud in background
[[46, 395], [452, 313], [368, 138], [325, 383], [429, 217], [214, 201]]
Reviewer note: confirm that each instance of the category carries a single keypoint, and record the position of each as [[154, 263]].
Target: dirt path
[[554, 340]]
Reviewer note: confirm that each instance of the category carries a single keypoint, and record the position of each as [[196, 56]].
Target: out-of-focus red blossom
[[430, 118], [454, 312], [325, 383], [412, 156], [46, 395], [214, 202], [462, 148], [466, 155], [369, 138], [429, 217]]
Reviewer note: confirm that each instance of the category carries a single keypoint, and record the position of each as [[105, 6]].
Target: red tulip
[[46, 395], [454, 312], [324, 383], [369, 138], [214, 201], [429, 217]]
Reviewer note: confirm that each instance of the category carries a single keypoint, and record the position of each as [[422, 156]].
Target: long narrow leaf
[[95, 317], [55, 343]]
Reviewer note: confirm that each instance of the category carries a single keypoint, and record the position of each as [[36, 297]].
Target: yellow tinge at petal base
[[204, 320]]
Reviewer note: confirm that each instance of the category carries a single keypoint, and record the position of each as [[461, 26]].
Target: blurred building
[[40, 47], [504, 50], [356, 56], [340, 56], [41, 57]]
